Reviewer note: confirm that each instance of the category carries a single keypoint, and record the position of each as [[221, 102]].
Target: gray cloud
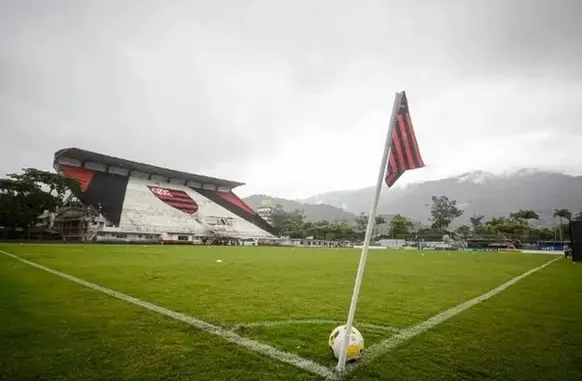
[[236, 88], [523, 37]]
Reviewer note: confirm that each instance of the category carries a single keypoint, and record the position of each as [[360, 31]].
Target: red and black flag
[[404, 152]]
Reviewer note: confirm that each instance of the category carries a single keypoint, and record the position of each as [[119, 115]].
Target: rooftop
[[111, 161]]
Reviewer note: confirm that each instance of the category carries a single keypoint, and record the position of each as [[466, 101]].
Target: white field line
[[273, 323], [230, 336], [408, 333]]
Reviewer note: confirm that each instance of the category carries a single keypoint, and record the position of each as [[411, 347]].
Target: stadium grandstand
[[123, 200]]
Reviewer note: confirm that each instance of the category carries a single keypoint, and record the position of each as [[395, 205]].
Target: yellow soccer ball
[[355, 346]]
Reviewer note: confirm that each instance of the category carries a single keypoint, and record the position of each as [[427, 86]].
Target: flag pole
[[341, 365]]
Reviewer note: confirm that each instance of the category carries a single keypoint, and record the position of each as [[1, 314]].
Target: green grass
[[51, 328]]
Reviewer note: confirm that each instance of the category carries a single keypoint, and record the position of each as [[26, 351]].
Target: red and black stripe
[[102, 190], [175, 198], [404, 153], [233, 203]]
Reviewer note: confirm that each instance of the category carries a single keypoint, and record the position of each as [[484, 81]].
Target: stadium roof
[[84, 155]]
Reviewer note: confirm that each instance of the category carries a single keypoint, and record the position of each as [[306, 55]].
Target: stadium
[[203, 312], [246, 312], [123, 200]]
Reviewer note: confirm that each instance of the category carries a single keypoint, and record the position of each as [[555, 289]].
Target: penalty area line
[[408, 333], [253, 345]]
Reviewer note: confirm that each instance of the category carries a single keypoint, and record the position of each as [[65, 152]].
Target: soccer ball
[[355, 346]]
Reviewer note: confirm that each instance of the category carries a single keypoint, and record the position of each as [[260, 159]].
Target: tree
[[578, 217], [443, 211], [290, 224], [55, 184], [476, 222], [278, 217], [521, 220], [507, 227], [24, 197], [542, 234], [293, 225], [379, 220], [562, 214], [342, 230], [400, 225], [464, 230], [362, 222], [524, 215]]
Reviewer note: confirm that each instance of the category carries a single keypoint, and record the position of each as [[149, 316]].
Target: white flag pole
[[341, 365]]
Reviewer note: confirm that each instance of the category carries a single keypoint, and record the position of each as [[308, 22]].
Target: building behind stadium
[[123, 200]]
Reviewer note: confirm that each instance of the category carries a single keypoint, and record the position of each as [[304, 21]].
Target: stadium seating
[[143, 211], [231, 202]]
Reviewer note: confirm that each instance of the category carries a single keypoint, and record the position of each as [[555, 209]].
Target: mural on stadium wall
[[103, 191], [235, 205], [175, 198]]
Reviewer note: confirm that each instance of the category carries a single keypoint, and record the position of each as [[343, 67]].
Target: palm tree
[[562, 213]]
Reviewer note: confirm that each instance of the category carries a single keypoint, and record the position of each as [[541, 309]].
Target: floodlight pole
[[341, 365]]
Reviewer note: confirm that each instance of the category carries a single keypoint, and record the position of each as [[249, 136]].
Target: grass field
[[52, 328]]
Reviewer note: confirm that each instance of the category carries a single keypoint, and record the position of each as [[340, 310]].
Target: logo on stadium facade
[[175, 198]]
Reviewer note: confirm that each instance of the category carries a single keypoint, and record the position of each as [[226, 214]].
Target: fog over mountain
[[477, 192]]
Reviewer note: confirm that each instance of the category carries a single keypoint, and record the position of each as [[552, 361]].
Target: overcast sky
[[292, 97]]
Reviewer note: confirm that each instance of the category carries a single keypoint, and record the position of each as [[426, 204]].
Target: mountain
[[476, 192], [313, 212]]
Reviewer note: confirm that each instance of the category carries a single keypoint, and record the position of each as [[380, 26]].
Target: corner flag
[[404, 153], [401, 153]]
